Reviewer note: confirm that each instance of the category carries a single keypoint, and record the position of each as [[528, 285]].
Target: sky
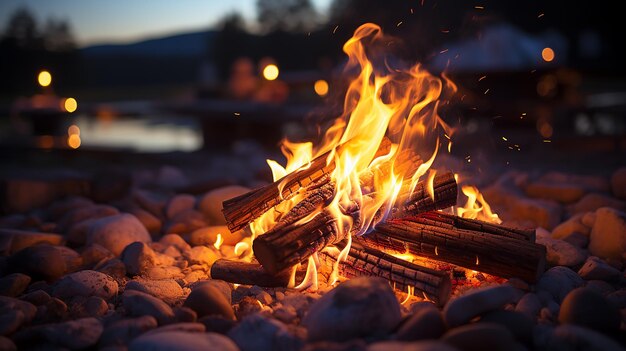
[[123, 21]]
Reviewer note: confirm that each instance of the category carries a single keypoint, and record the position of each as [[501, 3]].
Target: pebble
[[116, 232], [179, 327], [150, 201], [559, 281], [63, 206], [464, 308], [167, 290], [185, 315], [285, 314], [587, 308], [430, 345], [608, 236], [595, 268], [600, 286], [217, 324], [480, 336], [593, 202], [138, 304], [160, 273], [519, 324], [152, 223], [123, 331], [185, 222], [14, 240], [208, 236], [577, 239], [221, 285], [178, 204], [589, 182], [14, 284], [561, 192], [11, 321], [182, 341], [73, 260], [75, 334], [618, 183], [85, 283], [138, 257], [210, 204], [83, 213], [93, 254], [174, 240], [529, 304], [39, 262], [426, 323], [571, 337], [37, 297], [95, 306], [589, 219], [7, 344], [258, 333], [570, 226], [200, 255], [559, 252], [359, 307], [113, 267], [207, 300]]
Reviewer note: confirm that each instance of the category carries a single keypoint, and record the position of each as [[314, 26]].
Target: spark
[[541, 15], [237, 114], [399, 24], [505, 139], [335, 30], [479, 7], [486, 91], [481, 78], [547, 140], [446, 31], [443, 51]]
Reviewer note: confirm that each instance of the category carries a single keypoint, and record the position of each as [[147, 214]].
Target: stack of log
[[413, 226]]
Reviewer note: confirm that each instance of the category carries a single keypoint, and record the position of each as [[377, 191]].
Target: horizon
[[88, 20]]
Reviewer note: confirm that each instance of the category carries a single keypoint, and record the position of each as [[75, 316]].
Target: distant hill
[[186, 44]]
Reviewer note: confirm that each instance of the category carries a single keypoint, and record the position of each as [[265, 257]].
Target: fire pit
[[364, 240]]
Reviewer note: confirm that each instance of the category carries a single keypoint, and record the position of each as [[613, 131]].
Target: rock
[[167, 290], [183, 341], [161, 273], [150, 201], [123, 331], [75, 334], [618, 183], [529, 304], [21, 195], [178, 204], [561, 192], [40, 262], [11, 321], [207, 300], [14, 240], [179, 327], [200, 255], [577, 239], [476, 302], [37, 297], [93, 254], [185, 315], [170, 177], [559, 281], [138, 258], [80, 214], [600, 286], [185, 222], [85, 283], [426, 323], [559, 252], [593, 202], [6, 344], [479, 337], [356, 308], [248, 305], [208, 236], [14, 284], [589, 219], [587, 308], [175, 240], [210, 204], [519, 324], [570, 337], [152, 223], [570, 226], [257, 333], [95, 306], [608, 235], [63, 206], [595, 268], [73, 260], [138, 303], [538, 212], [589, 182], [220, 285], [113, 267], [217, 324], [618, 298], [285, 314], [430, 345], [116, 232]]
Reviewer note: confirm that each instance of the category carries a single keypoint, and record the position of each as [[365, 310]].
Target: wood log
[[241, 210], [367, 261], [248, 274], [487, 252], [288, 244]]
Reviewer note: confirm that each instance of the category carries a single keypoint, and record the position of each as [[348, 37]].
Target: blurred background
[[213, 86]]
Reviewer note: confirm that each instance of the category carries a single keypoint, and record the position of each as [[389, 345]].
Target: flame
[[476, 207], [219, 241]]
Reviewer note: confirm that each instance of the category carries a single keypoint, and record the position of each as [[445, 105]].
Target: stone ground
[[133, 273]]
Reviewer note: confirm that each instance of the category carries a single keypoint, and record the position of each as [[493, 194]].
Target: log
[[487, 252], [367, 261], [241, 210], [288, 244], [248, 274]]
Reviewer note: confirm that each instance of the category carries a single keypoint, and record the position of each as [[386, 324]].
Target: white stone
[[116, 232]]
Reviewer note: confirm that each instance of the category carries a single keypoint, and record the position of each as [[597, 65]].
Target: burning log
[[403, 275], [248, 274], [241, 210], [484, 251], [288, 244]]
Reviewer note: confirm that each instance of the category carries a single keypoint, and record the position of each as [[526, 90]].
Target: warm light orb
[[270, 72], [73, 141], [547, 54], [321, 87], [73, 130], [70, 105], [44, 78]]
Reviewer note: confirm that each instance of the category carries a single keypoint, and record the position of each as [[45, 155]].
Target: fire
[[381, 102]]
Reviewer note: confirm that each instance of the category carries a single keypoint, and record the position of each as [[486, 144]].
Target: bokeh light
[[44, 78], [270, 72], [73, 130], [321, 87], [547, 54], [73, 141], [70, 105]]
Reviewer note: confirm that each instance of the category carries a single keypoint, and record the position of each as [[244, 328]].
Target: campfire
[[366, 200]]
